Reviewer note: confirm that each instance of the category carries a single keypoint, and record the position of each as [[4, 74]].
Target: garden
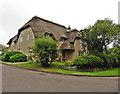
[[86, 65]]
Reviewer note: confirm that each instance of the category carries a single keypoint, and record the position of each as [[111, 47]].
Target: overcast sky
[[76, 13]]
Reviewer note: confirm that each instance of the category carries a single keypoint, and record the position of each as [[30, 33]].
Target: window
[[21, 39], [28, 37], [80, 53], [18, 49]]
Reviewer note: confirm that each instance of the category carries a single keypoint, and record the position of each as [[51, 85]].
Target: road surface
[[21, 80]]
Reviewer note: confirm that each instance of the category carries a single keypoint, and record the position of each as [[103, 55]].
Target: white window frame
[[28, 37], [21, 38]]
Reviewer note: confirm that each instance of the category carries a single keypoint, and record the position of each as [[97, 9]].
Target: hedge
[[102, 61], [18, 58], [13, 56], [110, 60], [88, 61]]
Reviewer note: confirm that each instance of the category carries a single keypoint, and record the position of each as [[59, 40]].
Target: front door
[[64, 55]]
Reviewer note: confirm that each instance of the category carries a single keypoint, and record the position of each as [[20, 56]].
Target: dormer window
[[62, 39], [21, 39], [28, 37]]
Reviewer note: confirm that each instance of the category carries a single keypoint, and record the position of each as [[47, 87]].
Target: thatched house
[[70, 43]]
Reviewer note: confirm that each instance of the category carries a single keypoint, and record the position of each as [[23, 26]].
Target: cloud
[[12, 17], [77, 13]]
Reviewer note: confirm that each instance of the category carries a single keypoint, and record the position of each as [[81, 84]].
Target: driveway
[[21, 80]]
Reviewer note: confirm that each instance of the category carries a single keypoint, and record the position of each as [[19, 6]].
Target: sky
[[78, 14]]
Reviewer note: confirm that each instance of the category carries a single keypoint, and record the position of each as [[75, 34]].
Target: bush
[[110, 60], [6, 55], [68, 63], [2, 57], [45, 48], [118, 60], [116, 52], [9, 56], [88, 61], [18, 58]]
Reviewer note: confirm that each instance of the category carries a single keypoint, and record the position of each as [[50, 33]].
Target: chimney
[[69, 28]]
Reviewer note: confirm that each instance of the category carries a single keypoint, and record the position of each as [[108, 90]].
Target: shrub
[[45, 48], [18, 58], [88, 61], [2, 57], [68, 63], [8, 56], [118, 60], [110, 60], [116, 52]]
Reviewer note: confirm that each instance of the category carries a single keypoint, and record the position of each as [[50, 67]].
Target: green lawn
[[54, 69]]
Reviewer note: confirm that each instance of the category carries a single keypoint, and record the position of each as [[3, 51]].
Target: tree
[[100, 35], [45, 48], [117, 41]]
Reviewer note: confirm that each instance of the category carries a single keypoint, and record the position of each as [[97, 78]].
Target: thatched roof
[[40, 25], [14, 39], [35, 18], [72, 35], [60, 32], [67, 46]]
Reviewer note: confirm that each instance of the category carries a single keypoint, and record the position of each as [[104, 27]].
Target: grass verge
[[54, 69]]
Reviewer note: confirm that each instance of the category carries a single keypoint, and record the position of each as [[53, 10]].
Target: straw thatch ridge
[[66, 45], [40, 25], [13, 39]]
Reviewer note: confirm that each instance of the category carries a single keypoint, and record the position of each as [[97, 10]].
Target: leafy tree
[[100, 35], [117, 41], [45, 48]]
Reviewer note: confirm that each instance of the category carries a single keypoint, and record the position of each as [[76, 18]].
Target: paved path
[[21, 80]]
